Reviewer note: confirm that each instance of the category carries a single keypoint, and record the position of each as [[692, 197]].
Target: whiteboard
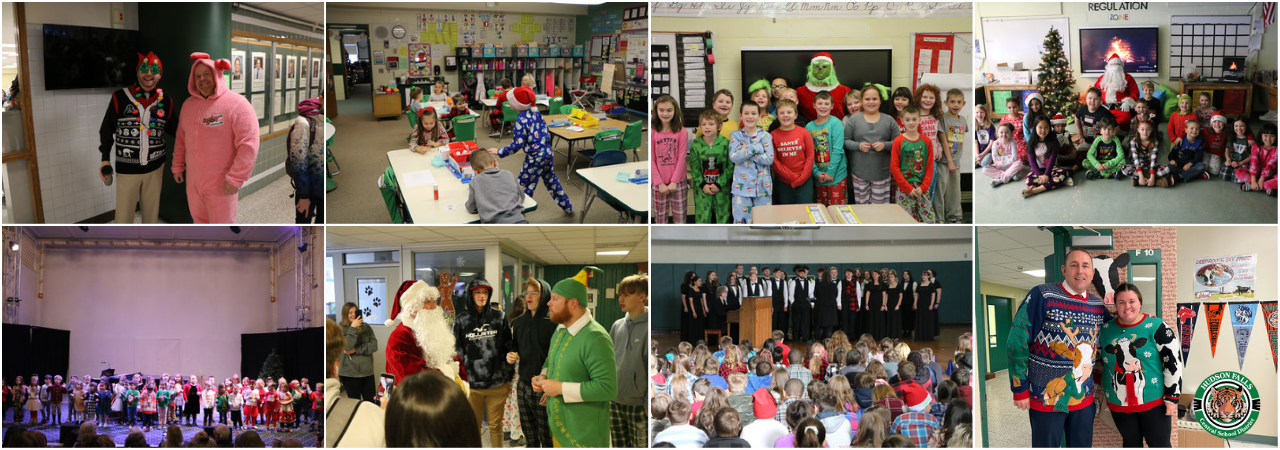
[[1013, 40]]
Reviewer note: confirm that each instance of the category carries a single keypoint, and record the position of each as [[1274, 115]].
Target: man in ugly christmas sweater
[[1053, 344], [136, 121], [218, 136]]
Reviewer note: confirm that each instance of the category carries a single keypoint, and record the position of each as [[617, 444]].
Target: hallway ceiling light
[[1038, 273]]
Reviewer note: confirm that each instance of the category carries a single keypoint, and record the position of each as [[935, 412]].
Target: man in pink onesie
[[220, 128]]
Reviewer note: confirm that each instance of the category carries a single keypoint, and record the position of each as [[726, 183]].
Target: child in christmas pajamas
[[1005, 164], [911, 164], [751, 150], [531, 136], [829, 166], [1238, 150], [1262, 163], [711, 171], [218, 139], [793, 159], [1106, 155], [670, 144]]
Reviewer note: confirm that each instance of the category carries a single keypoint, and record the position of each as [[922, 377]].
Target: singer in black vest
[[801, 304], [778, 290]]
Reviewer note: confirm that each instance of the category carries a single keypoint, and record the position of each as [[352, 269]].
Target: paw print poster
[[371, 296]]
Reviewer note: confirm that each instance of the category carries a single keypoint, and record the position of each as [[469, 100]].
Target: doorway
[[372, 289], [1144, 272], [357, 75], [999, 318]]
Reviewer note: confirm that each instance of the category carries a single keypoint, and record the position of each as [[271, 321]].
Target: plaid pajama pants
[[674, 203], [866, 192], [831, 195], [628, 426], [533, 417]]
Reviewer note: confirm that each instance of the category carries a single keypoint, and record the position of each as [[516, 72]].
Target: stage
[[156, 436], [943, 347]]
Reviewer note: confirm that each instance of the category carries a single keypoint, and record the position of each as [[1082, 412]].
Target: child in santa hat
[[531, 136], [1215, 141]]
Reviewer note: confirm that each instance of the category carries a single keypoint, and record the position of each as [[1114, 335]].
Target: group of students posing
[[835, 394], [886, 305], [1039, 148], [772, 156], [149, 402]]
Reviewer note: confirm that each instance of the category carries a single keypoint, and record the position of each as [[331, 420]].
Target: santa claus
[[423, 340], [1119, 90]]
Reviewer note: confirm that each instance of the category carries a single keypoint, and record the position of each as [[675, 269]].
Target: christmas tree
[[1054, 80], [272, 367]]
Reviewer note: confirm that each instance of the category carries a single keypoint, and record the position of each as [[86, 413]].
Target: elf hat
[[1058, 119], [521, 98], [150, 59], [822, 56], [1034, 96], [1218, 118], [410, 298], [576, 287]]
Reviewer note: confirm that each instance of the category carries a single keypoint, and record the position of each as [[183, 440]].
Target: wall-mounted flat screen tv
[[89, 57]]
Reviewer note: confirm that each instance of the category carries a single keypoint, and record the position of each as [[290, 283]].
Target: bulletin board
[[419, 60], [1204, 41], [689, 79], [931, 53]]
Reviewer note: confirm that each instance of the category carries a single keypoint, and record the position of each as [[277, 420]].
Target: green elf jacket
[[581, 356]]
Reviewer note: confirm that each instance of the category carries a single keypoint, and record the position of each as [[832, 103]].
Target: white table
[[634, 196], [493, 102], [421, 202]]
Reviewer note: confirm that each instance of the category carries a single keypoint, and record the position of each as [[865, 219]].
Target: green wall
[[607, 310], [956, 278]]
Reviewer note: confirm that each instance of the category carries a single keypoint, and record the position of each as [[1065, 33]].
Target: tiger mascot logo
[[1226, 404]]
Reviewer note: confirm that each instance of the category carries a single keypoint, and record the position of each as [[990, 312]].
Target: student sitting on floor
[[1262, 163], [1186, 159], [493, 193]]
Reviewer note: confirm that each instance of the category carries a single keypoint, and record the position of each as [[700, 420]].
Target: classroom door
[[998, 320], [373, 289]]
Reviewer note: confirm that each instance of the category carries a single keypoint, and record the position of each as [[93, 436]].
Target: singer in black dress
[[926, 298], [687, 311], [716, 308], [909, 285], [893, 291], [875, 301]]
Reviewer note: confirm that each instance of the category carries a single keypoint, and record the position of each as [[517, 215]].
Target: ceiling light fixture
[[1038, 273]]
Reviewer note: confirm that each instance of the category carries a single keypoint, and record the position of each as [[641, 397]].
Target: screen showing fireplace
[[1137, 46]]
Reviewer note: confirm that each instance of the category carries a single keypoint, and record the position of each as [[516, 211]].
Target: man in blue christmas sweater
[[1053, 345]]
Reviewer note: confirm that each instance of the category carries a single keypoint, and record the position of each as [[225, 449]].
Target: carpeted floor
[[361, 144], [118, 433], [1117, 201]]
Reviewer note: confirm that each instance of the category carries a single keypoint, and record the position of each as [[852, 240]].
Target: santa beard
[[1113, 82], [435, 338]]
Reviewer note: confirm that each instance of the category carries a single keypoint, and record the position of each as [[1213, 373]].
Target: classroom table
[[574, 136], [492, 102], [420, 200], [877, 213], [605, 179], [783, 214]]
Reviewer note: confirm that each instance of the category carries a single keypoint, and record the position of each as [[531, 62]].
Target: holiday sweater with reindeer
[[1141, 364], [135, 124], [1053, 345]]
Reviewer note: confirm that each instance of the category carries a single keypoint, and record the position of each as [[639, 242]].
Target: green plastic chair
[[604, 140], [413, 118], [492, 91], [509, 115], [631, 138], [390, 191], [555, 104], [464, 128]]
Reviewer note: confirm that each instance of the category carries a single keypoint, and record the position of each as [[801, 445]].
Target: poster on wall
[[291, 73], [237, 70], [290, 101], [419, 60], [304, 65], [279, 104], [259, 74], [1225, 277], [259, 105], [275, 69], [379, 58], [315, 72]]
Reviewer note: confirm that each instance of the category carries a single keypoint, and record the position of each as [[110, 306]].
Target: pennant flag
[[1213, 311], [1187, 313], [1242, 315], [1271, 318]]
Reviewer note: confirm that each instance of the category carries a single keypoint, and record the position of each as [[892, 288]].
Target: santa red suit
[[422, 340], [1118, 96], [807, 92]]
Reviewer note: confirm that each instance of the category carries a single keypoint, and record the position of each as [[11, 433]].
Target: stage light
[[84, 229], [302, 248], [235, 230], [13, 246]]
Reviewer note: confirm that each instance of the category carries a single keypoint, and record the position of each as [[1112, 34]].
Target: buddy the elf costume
[[581, 357]]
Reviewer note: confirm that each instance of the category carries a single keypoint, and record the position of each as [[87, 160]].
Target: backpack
[[339, 417]]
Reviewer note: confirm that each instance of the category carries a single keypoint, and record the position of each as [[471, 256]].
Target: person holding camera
[[356, 370]]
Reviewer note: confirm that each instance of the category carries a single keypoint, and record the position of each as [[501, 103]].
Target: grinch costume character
[[218, 138], [579, 377], [422, 341], [1119, 90], [135, 124], [821, 76]]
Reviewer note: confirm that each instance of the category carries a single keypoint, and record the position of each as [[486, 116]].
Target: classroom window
[[464, 264], [387, 256]]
